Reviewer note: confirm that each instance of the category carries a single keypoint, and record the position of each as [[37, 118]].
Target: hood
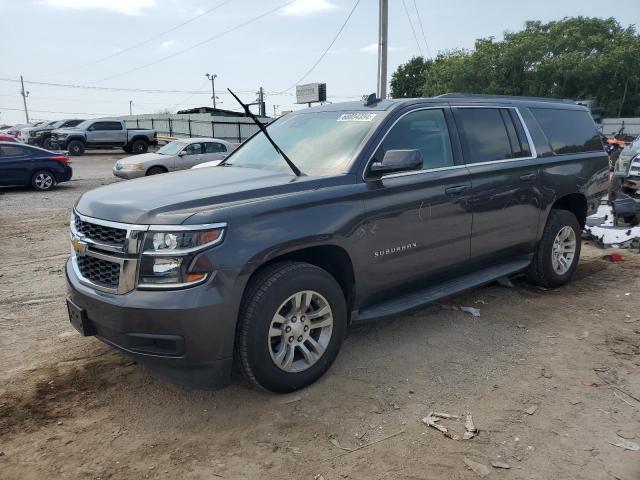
[[172, 198], [67, 130], [145, 157]]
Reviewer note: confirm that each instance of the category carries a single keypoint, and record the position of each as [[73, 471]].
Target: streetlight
[[130, 107], [213, 87]]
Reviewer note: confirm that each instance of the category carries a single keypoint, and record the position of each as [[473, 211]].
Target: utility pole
[[24, 99], [213, 87], [261, 104], [382, 48], [275, 113], [130, 107]]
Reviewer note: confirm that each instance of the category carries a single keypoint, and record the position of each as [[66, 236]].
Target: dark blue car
[[23, 165]]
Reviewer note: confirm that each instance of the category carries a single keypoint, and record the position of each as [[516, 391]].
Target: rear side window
[[424, 130], [107, 126], [492, 134], [72, 123], [212, 147], [568, 131], [13, 151]]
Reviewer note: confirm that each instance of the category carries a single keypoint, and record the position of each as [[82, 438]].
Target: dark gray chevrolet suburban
[[396, 203]]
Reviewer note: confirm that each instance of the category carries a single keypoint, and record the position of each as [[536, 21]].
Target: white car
[[180, 154]]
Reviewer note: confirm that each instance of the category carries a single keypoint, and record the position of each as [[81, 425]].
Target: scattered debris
[[482, 302], [545, 373], [478, 468], [472, 310], [627, 445], [626, 434], [614, 257], [360, 436], [601, 369], [504, 282], [498, 464], [318, 477], [334, 441], [531, 410], [583, 335], [292, 400], [432, 419], [366, 445]]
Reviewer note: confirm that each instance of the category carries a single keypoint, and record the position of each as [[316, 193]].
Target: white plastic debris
[[627, 445], [478, 468], [472, 310]]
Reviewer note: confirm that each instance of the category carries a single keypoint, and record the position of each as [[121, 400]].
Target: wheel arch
[[166, 170], [575, 203], [332, 258]]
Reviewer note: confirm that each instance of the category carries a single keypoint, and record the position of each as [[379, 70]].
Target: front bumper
[[186, 336], [128, 174]]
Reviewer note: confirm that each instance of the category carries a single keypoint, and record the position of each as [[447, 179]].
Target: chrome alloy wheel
[[300, 331], [563, 251], [43, 181]]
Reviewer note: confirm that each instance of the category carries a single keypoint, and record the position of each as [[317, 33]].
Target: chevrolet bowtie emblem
[[78, 246]]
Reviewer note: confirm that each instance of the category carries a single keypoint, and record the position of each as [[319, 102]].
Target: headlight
[[622, 166], [169, 258], [132, 166], [38, 134]]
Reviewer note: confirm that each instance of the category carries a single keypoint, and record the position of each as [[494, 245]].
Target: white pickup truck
[[103, 133]]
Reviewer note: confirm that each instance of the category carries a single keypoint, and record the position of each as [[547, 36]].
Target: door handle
[[457, 190], [528, 177]]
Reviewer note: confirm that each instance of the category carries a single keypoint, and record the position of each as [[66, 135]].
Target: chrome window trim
[[532, 147]]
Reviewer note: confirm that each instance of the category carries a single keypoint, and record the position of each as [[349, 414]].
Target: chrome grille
[[101, 272], [100, 233]]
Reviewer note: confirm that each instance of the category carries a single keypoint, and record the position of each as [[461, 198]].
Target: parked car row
[[24, 165], [177, 155]]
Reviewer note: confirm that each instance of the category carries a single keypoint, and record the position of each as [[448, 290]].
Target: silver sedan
[[177, 155]]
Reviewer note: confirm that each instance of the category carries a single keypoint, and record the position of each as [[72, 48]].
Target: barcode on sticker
[[356, 117]]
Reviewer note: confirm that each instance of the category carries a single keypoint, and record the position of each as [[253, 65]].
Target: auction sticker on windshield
[[356, 117]]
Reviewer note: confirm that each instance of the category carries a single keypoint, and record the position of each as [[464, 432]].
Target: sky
[[247, 43]]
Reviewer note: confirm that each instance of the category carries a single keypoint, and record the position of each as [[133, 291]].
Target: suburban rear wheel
[[47, 143], [558, 252], [75, 148], [43, 180], [156, 171], [139, 146], [292, 322]]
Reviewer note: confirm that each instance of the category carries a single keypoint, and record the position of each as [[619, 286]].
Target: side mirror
[[182, 153], [397, 161]]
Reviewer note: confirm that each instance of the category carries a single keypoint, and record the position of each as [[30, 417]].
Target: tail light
[[60, 158]]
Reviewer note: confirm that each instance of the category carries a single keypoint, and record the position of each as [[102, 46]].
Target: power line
[[424, 37], [66, 113], [112, 89], [195, 45], [412, 29], [144, 42], [326, 50]]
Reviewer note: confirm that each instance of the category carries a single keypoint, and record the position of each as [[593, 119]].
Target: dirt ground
[[71, 407]]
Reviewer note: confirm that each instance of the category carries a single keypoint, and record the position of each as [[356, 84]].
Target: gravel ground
[[550, 377]]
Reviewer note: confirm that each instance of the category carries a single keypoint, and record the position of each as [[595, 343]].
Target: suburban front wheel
[[292, 322], [558, 252]]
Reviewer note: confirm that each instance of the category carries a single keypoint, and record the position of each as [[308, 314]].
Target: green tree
[[578, 58]]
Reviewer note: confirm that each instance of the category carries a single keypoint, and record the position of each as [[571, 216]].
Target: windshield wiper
[[262, 128]]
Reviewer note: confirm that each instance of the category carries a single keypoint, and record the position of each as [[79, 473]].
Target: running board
[[416, 299]]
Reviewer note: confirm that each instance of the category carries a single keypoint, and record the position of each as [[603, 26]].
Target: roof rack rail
[[480, 96]]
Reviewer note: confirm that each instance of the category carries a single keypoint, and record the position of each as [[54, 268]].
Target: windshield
[[171, 148], [57, 124], [319, 143], [84, 124]]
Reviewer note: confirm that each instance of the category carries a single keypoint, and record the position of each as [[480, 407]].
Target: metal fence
[[235, 131]]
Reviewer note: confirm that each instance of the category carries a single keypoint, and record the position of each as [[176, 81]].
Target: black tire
[[139, 146], [156, 171], [47, 143], [43, 180], [263, 298], [127, 148], [75, 148], [541, 271]]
